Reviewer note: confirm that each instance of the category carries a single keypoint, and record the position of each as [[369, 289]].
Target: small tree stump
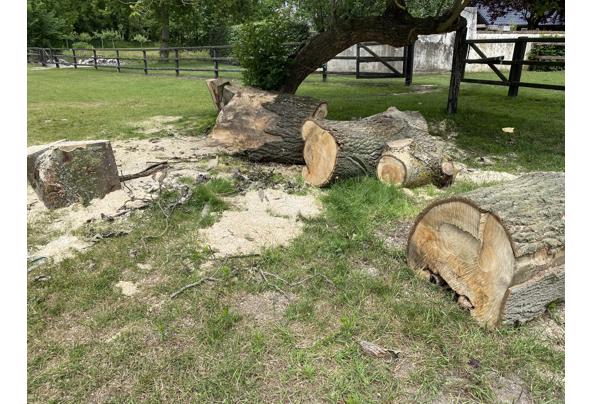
[[501, 248], [68, 172]]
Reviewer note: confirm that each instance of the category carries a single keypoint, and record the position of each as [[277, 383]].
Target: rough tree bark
[[265, 126], [500, 248], [164, 16], [342, 149], [396, 27], [68, 172]]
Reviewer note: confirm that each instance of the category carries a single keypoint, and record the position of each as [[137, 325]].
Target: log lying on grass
[[68, 172], [415, 162], [500, 248], [265, 126], [221, 91], [342, 149]]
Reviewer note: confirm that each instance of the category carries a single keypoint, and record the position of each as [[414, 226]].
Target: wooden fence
[[513, 81], [210, 59]]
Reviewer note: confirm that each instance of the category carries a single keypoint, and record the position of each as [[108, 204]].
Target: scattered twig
[[377, 351], [35, 262], [42, 278], [193, 285], [109, 234], [144, 173], [263, 275]]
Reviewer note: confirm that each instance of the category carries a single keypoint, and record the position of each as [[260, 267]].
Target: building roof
[[513, 17]]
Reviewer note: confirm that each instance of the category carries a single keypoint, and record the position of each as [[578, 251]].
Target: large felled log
[[415, 162], [221, 91], [342, 149], [68, 172], [500, 248], [265, 126]]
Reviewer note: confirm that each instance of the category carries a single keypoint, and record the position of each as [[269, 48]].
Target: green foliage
[[44, 27], [546, 50], [261, 49], [84, 37], [81, 45], [140, 39]]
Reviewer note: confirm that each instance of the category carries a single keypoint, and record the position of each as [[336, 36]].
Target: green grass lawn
[[89, 343], [89, 104]]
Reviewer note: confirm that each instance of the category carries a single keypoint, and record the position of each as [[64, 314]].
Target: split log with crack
[[221, 91], [500, 248], [265, 126], [342, 149], [68, 172]]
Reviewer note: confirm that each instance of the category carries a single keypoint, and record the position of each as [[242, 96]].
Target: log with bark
[[416, 162], [500, 248], [265, 126], [342, 149], [68, 172]]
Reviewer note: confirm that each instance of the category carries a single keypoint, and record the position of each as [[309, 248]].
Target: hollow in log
[[415, 162], [500, 248], [265, 126], [342, 149]]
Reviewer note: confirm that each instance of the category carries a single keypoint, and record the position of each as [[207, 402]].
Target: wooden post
[[95, 57], [145, 61], [176, 61], [74, 58], [408, 63], [324, 71], [357, 60], [517, 66], [117, 60], [215, 63], [458, 64], [42, 57], [54, 58]]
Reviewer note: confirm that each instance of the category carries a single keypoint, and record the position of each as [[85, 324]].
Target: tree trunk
[[164, 52], [342, 149], [500, 248], [264, 126], [68, 172], [415, 162], [396, 31]]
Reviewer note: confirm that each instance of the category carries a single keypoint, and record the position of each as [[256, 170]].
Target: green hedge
[[545, 50]]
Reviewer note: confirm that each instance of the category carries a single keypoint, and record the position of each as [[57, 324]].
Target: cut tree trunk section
[[500, 248], [342, 149], [68, 172], [415, 162], [265, 126]]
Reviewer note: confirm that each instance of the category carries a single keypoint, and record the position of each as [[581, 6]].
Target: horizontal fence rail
[[462, 46], [213, 59]]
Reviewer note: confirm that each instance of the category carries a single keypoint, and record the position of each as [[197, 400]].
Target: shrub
[[82, 45], [261, 49], [84, 37], [140, 39], [546, 50]]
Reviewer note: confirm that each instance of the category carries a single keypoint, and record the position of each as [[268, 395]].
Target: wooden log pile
[[264, 126], [500, 248]]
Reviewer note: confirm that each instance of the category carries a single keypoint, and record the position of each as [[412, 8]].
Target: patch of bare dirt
[[157, 124], [396, 236], [261, 219], [187, 157], [263, 308]]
